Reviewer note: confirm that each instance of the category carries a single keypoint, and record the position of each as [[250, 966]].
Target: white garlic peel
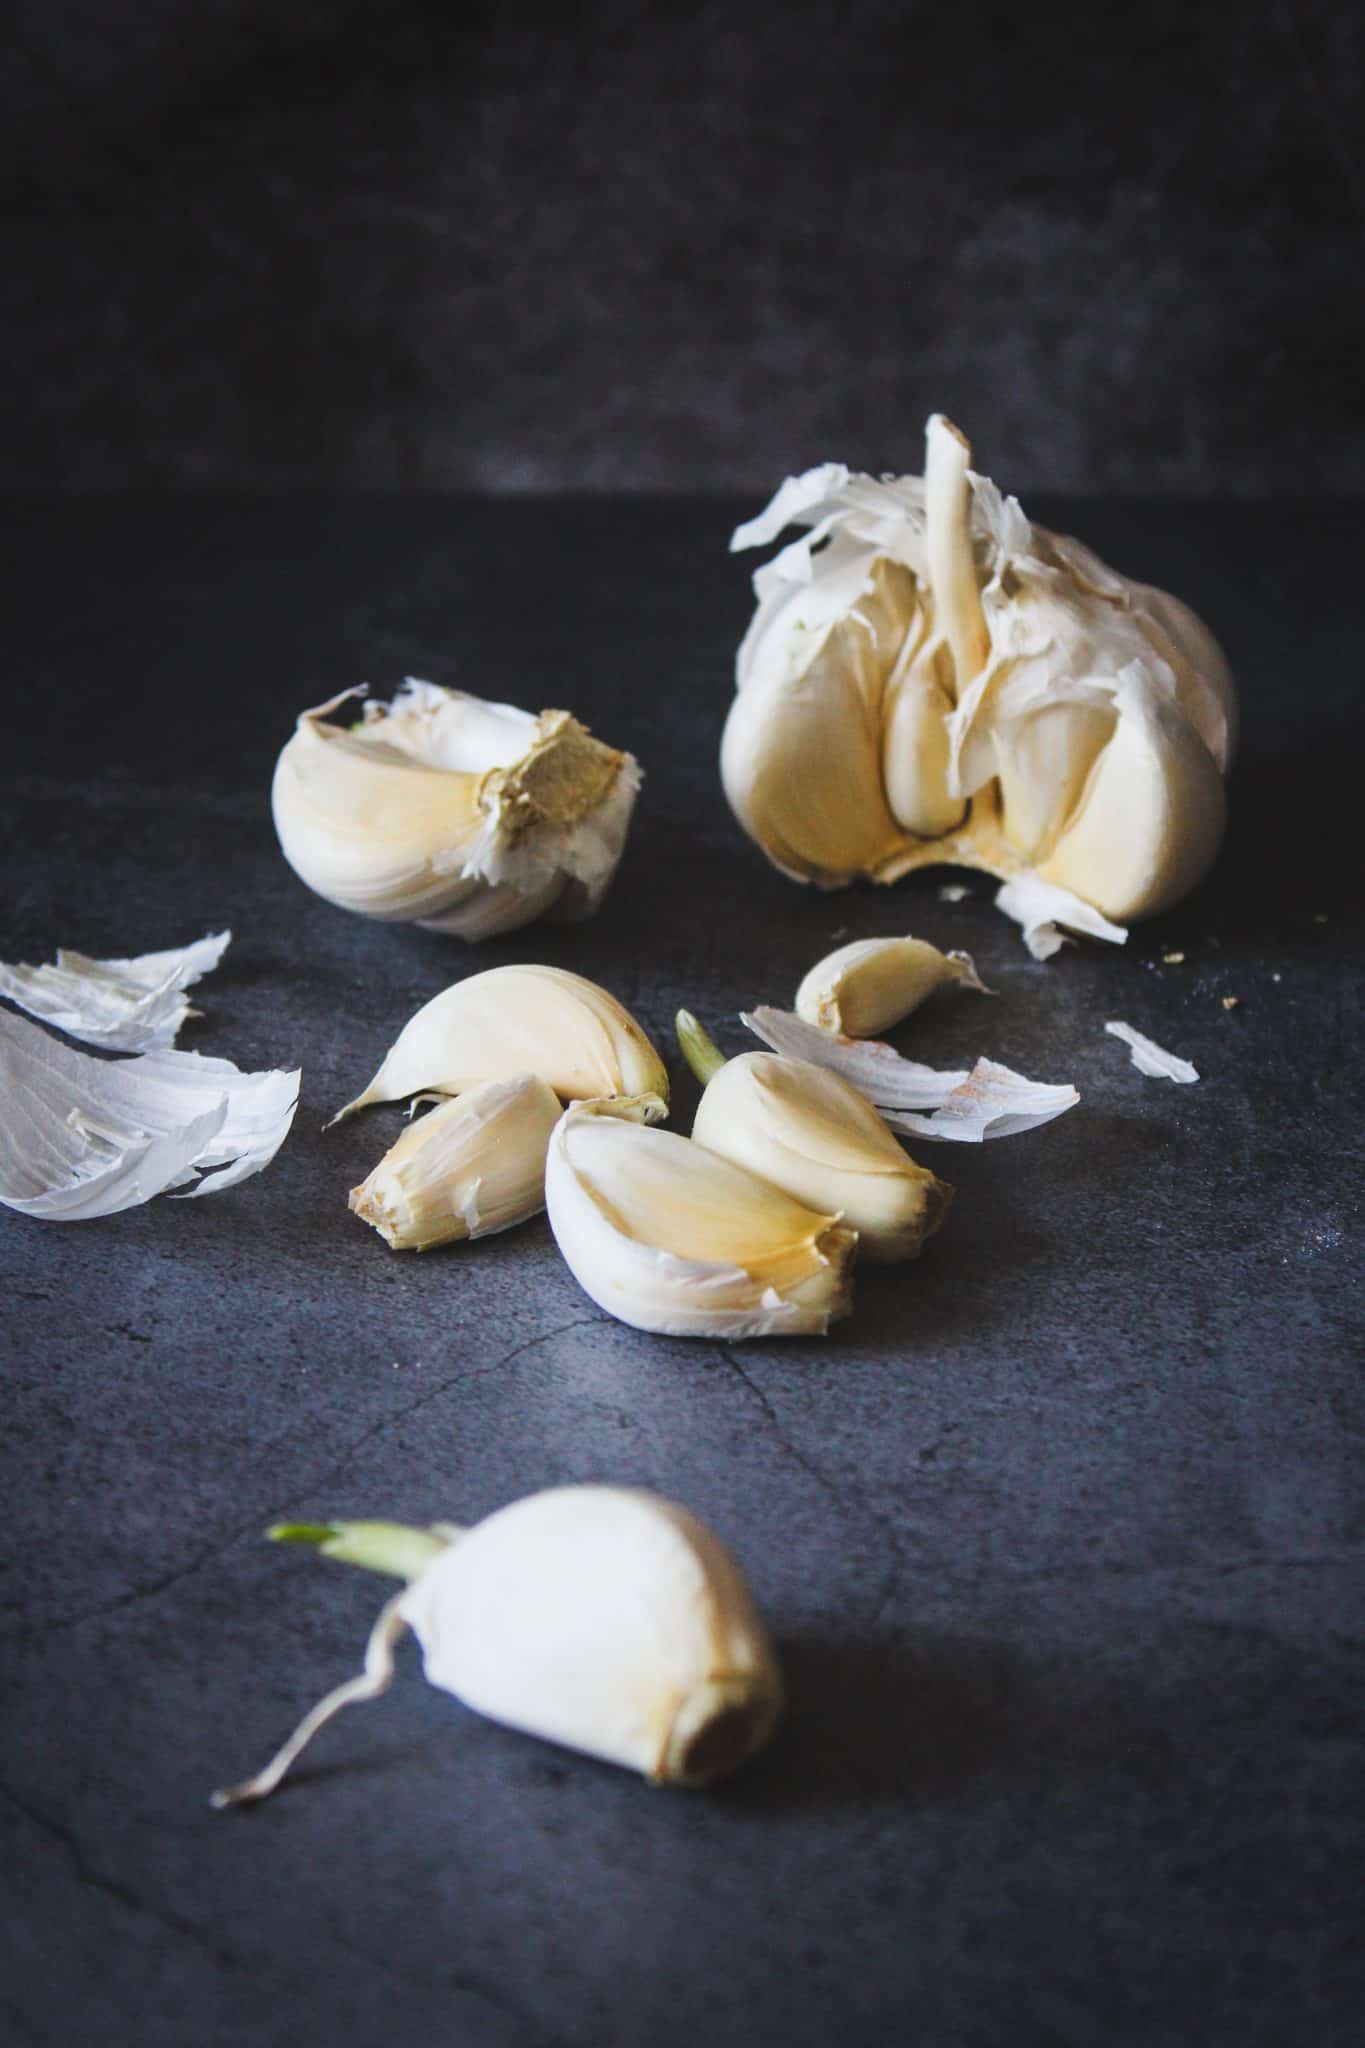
[[441, 809], [1152, 1059], [519, 1020], [471, 1166], [121, 1005], [928, 677], [603, 1618], [872, 984], [813, 1135], [991, 1101], [671, 1238], [82, 1137]]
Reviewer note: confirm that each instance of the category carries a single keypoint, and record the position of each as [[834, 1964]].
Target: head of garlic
[[469, 1167], [670, 1237], [519, 1020], [815, 1136], [443, 810], [601, 1617], [929, 677]]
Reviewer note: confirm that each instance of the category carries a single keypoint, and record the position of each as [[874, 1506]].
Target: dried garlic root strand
[[441, 809], [814, 1136], [873, 984], [670, 1237], [604, 1618], [471, 1166]]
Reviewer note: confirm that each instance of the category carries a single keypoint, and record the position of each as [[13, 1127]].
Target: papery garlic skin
[[469, 1167], [443, 810], [928, 677], [669, 1237], [871, 984], [604, 1618], [814, 1135], [520, 1020]]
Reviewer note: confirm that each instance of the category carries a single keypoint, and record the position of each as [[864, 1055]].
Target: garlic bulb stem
[[948, 539], [699, 1049]]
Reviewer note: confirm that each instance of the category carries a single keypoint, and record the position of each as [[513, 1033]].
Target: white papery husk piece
[[928, 677], [671, 1238], [954, 1105], [82, 1137], [519, 1020], [871, 984], [444, 810], [470, 1167], [120, 1005], [603, 1618], [1152, 1059]]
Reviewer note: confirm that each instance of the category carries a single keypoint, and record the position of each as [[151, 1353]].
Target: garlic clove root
[[872, 984], [603, 1618], [469, 1167], [670, 1237]]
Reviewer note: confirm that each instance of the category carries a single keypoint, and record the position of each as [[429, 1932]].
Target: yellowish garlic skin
[[469, 1167], [814, 1135], [608, 1620], [865, 987]]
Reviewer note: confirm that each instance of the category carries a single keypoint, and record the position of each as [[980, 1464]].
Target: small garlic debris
[[953, 892], [991, 1101], [603, 1618], [930, 678], [812, 1134], [470, 1167], [120, 1005], [519, 1020], [447, 811], [872, 984], [82, 1137], [1152, 1059], [669, 1237], [1173, 959], [1231, 1002]]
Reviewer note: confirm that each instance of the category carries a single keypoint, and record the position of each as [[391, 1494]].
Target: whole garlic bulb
[[930, 678], [443, 810]]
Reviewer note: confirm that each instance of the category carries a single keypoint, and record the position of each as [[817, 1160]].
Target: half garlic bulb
[[930, 678], [600, 1617], [672, 1238], [446, 811], [468, 1168]]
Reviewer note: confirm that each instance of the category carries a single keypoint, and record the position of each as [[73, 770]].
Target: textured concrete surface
[[618, 245], [1062, 1535]]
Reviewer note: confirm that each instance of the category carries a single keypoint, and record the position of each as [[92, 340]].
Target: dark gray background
[[616, 246]]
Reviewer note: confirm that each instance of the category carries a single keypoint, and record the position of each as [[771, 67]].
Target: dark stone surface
[[1061, 1535], [613, 244]]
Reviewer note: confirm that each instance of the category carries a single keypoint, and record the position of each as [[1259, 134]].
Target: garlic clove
[[813, 1135], [665, 1235], [471, 1166], [519, 1020], [871, 984], [429, 806]]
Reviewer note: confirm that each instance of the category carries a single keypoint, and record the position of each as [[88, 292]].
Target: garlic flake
[[870, 985], [444, 810], [1152, 1059], [930, 678], [604, 1618], [121, 1005], [667, 1236], [470, 1167], [519, 1020]]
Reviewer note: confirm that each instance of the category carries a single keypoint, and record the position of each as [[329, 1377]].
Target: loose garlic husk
[[604, 1618], [813, 1134], [667, 1236], [866, 987], [470, 1167], [520, 1020], [929, 678], [446, 811]]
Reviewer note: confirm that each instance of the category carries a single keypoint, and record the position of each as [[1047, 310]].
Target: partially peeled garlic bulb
[[812, 1134], [471, 1166], [600, 1617], [511, 1021], [871, 984], [446, 811], [672, 1238], [930, 678]]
